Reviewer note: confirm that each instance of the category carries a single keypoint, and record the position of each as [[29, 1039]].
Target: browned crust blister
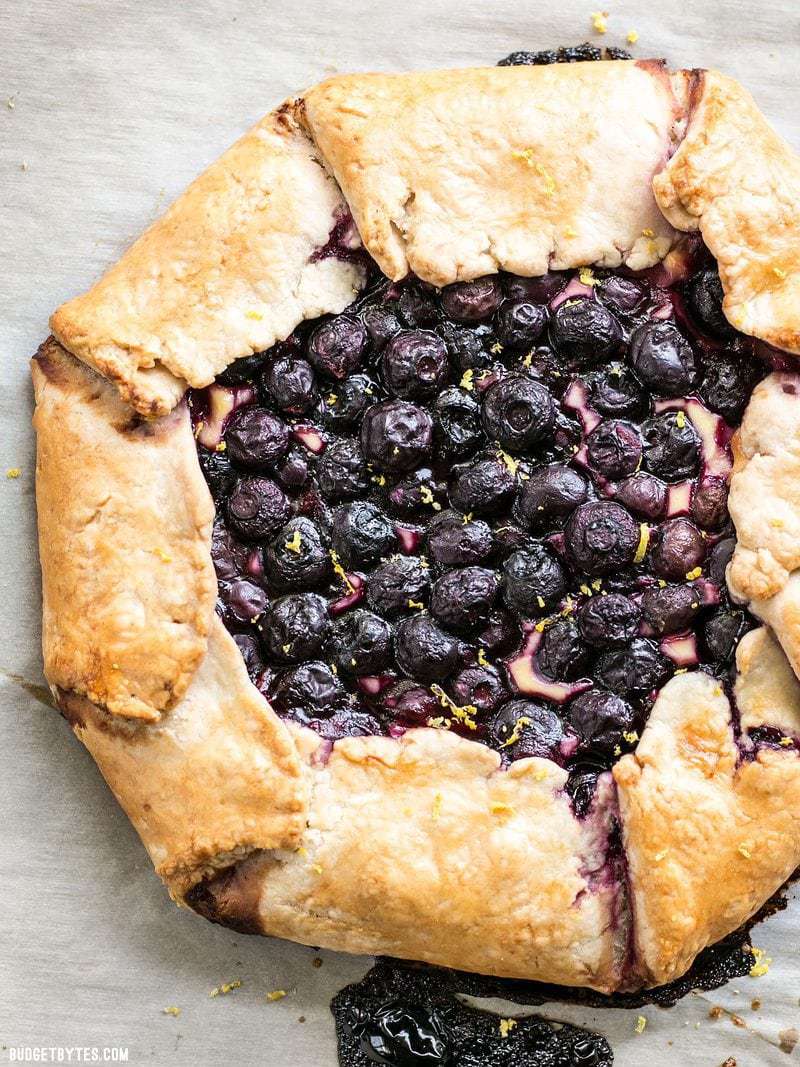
[[420, 847]]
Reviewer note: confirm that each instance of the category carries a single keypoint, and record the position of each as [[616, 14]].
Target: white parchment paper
[[107, 110]]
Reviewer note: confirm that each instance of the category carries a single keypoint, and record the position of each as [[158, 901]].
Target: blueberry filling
[[491, 508]]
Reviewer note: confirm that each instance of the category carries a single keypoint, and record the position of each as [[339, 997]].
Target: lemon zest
[[586, 276], [632, 37], [761, 966], [171, 1010], [226, 987], [641, 1024], [338, 569], [276, 994], [600, 21], [516, 733], [463, 714], [506, 1026], [467, 381], [644, 541], [295, 543]]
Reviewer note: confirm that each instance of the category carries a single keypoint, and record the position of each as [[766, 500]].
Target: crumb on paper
[[788, 1039], [715, 1012], [632, 36], [730, 1062], [317, 961], [276, 994], [226, 987], [11, 101], [506, 1026], [641, 1024], [737, 1020], [171, 1010], [755, 1005], [13, 473]]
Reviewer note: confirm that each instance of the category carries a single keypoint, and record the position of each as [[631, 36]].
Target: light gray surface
[[115, 107]]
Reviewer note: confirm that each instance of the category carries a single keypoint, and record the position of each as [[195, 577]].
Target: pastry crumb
[[730, 1062], [632, 37], [600, 21], [171, 1010], [737, 1020], [276, 994], [744, 850], [761, 966], [641, 1024], [226, 987], [13, 473], [715, 1012], [788, 1039], [755, 1005], [11, 102], [506, 1026], [317, 961]]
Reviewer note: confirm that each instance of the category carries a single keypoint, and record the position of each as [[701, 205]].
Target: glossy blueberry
[[361, 643], [423, 650], [663, 359], [454, 542], [457, 418], [347, 401], [297, 557], [609, 621], [472, 301], [396, 585], [518, 412], [726, 385], [635, 670], [520, 323], [614, 448], [550, 496], [670, 608], [534, 580], [710, 503], [582, 786], [705, 294], [601, 537], [484, 488], [525, 728], [420, 489], [346, 722], [562, 655], [362, 533], [291, 383], [600, 720], [412, 705], [342, 472], [381, 322], [396, 435], [256, 507], [404, 1035], [292, 470], [227, 555], [295, 628], [500, 634], [671, 447], [463, 599], [722, 633], [417, 307], [583, 331], [622, 296], [539, 290], [251, 654], [217, 471], [335, 346], [719, 558], [242, 370], [678, 548], [469, 347], [481, 687], [643, 494], [414, 364], [255, 438], [244, 600], [615, 391], [309, 691]]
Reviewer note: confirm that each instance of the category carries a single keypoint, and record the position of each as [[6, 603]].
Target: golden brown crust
[[124, 533], [459, 173], [227, 271], [423, 848], [708, 838], [738, 182], [218, 778]]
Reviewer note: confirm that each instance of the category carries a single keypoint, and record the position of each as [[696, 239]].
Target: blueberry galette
[[420, 523]]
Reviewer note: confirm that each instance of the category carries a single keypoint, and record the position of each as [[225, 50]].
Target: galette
[[419, 516]]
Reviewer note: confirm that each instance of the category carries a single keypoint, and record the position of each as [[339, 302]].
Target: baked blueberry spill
[[499, 508]]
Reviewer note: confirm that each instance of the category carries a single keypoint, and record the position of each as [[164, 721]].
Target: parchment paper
[[107, 110]]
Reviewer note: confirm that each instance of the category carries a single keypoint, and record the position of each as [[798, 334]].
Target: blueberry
[[582, 786], [295, 628], [397, 584], [346, 722], [601, 537], [609, 621], [562, 655], [470, 348], [614, 390], [600, 719], [719, 558], [518, 412], [420, 489], [297, 556], [309, 691], [520, 323], [726, 386], [722, 633], [348, 400], [404, 1035], [463, 599], [292, 470], [705, 300], [534, 580], [414, 364], [472, 301], [362, 533], [622, 296], [361, 643], [423, 650], [663, 359], [679, 547], [524, 728], [417, 307], [242, 370], [710, 503], [255, 438], [413, 705], [614, 448], [396, 435], [584, 331], [342, 472], [454, 542], [227, 555], [670, 608], [539, 290], [550, 495], [481, 687], [291, 383], [381, 323], [671, 446], [636, 669], [457, 420], [256, 508], [244, 600], [643, 494], [508, 537], [501, 633], [251, 654], [217, 471], [335, 346], [485, 487]]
